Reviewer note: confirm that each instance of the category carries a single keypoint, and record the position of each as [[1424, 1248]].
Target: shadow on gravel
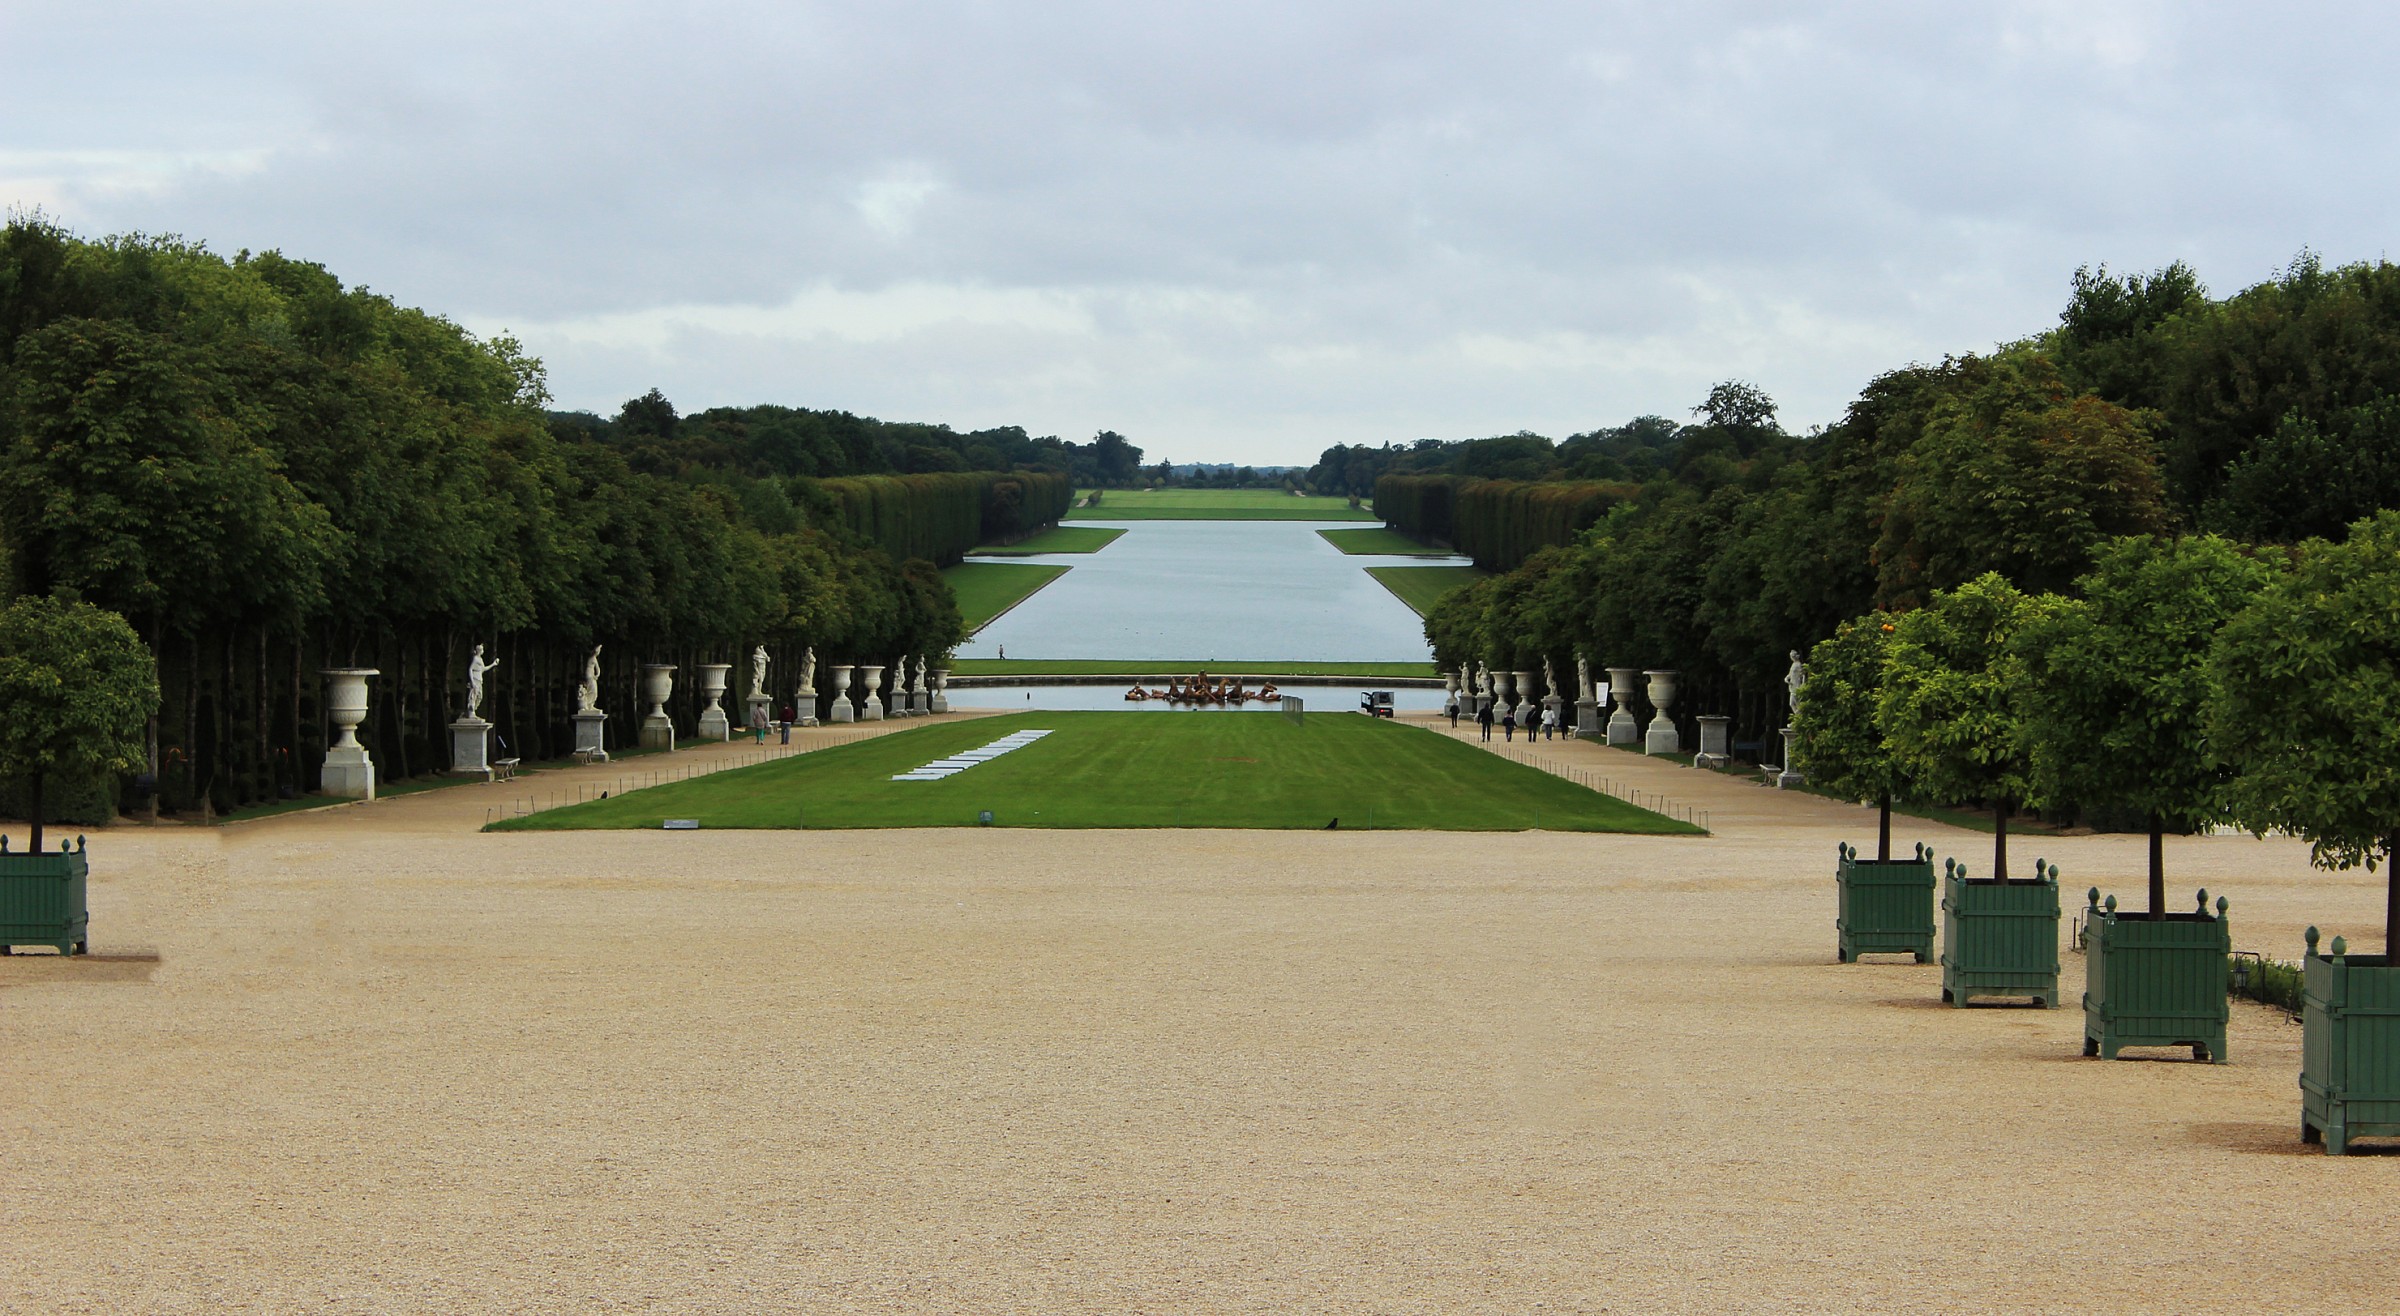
[[2261, 1139]]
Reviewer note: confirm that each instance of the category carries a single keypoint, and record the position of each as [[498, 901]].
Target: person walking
[[1483, 718], [790, 715], [758, 722], [1508, 729]]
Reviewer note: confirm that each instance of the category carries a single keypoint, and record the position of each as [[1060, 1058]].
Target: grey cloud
[[1639, 198]]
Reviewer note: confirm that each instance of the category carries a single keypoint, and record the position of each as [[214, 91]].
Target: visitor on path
[[1483, 716], [1004, 651], [758, 722], [790, 715], [1508, 729], [1452, 710]]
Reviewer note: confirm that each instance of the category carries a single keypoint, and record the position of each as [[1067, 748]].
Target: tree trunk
[[2000, 840], [33, 800], [1883, 826], [2158, 868]]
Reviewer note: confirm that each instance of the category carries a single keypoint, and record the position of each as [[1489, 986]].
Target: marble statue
[[1549, 676], [808, 676], [477, 665], [758, 673], [1583, 677], [1794, 679], [918, 686], [587, 695]]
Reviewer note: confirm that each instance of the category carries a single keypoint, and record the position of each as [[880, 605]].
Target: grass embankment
[[1056, 539], [1146, 769], [1422, 587], [1213, 666], [1216, 505], [1380, 541], [987, 589]]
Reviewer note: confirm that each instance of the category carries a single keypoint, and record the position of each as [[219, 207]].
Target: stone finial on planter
[[1622, 728], [843, 710], [349, 770], [1661, 737], [658, 685]]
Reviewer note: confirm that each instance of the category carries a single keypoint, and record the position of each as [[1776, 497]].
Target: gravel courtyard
[[367, 1058]]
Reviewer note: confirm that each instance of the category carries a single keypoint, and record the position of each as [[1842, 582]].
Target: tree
[[1952, 689], [2306, 693], [79, 687], [1836, 731], [2118, 685]]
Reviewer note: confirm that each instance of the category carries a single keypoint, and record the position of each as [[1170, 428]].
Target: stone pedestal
[[714, 725], [1661, 737], [658, 729], [1716, 749], [1587, 718], [1622, 729], [591, 735], [1791, 775], [920, 703], [471, 748], [870, 703], [842, 711], [940, 702], [349, 770]]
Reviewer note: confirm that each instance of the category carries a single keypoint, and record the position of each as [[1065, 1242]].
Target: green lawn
[[1216, 505], [1148, 667], [1422, 587], [987, 589], [1146, 769], [1381, 541], [1056, 539]]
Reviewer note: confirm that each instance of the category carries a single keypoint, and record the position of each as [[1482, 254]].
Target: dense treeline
[[2266, 417], [766, 442], [1499, 523], [268, 473]]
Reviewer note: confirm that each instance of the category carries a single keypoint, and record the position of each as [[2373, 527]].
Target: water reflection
[[1213, 591]]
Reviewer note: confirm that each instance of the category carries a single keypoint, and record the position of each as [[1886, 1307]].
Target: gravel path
[[369, 1059]]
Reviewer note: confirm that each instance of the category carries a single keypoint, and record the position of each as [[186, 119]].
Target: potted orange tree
[[78, 687], [1884, 905], [1948, 712], [2114, 713], [2306, 693]]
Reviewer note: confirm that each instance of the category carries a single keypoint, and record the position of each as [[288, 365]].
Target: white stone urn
[[1661, 737], [843, 710], [1622, 728], [713, 723], [1504, 695], [349, 770], [870, 705], [940, 676], [1528, 712], [658, 684]]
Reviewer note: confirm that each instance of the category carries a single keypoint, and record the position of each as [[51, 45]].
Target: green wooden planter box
[[2155, 981], [41, 898], [1886, 906], [2349, 1047], [1999, 938]]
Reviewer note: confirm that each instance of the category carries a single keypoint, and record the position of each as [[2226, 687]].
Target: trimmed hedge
[[939, 517], [1499, 523]]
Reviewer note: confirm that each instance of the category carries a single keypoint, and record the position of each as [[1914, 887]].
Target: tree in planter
[[2306, 693], [79, 687], [1838, 734], [1948, 709], [2118, 685]]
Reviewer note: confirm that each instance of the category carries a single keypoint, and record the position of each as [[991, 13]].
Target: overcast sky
[[1233, 232]]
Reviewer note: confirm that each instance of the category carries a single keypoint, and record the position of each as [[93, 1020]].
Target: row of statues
[[587, 691]]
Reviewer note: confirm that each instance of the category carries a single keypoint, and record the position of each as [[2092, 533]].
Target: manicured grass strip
[[1381, 541], [1057, 539], [987, 589], [1213, 666], [1216, 505], [1422, 587], [1146, 769]]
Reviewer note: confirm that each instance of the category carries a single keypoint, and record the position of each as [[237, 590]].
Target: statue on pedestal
[[918, 687], [808, 676], [1549, 678], [1794, 679], [587, 695], [477, 665], [758, 674], [1583, 677]]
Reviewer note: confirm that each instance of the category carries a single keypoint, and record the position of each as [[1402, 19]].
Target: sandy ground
[[367, 1058]]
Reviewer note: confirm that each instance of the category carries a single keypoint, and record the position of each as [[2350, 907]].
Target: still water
[[1314, 698], [1212, 592]]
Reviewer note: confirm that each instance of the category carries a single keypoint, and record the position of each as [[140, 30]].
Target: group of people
[[1549, 724], [1204, 689]]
